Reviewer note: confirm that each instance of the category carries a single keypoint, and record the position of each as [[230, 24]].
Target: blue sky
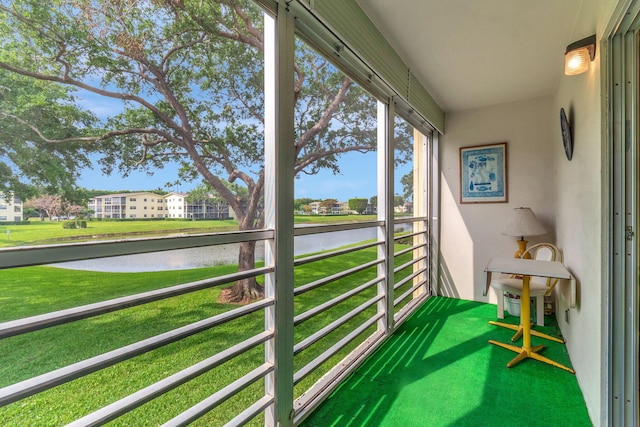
[[358, 179]]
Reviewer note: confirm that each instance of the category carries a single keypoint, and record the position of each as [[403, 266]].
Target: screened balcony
[[254, 99]]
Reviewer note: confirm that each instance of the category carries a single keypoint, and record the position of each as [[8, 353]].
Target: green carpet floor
[[439, 370]]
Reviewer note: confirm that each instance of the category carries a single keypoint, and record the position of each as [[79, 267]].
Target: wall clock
[[567, 141]]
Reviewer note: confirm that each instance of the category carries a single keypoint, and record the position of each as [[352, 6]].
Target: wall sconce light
[[578, 56]]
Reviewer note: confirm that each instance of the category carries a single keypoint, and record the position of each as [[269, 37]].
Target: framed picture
[[483, 173]]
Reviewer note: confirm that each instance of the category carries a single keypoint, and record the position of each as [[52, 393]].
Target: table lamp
[[522, 222]]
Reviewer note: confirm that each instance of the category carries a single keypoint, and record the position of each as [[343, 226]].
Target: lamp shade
[[523, 222]]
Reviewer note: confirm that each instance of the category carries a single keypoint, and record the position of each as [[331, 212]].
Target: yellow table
[[526, 268]]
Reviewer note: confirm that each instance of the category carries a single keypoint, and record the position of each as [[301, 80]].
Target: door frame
[[621, 61]]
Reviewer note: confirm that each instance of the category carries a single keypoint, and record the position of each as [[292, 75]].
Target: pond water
[[183, 259]]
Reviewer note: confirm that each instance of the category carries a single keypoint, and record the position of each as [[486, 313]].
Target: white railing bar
[[407, 264], [408, 278], [126, 404], [251, 412], [218, 397], [317, 229], [312, 285], [25, 256], [65, 374], [333, 302], [321, 333], [406, 236], [412, 248], [325, 255], [41, 321], [311, 366], [409, 219], [408, 292]]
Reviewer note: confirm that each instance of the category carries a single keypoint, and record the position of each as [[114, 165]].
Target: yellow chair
[[539, 286]]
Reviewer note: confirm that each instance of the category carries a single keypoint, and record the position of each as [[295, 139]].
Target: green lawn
[[47, 232], [36, 290]]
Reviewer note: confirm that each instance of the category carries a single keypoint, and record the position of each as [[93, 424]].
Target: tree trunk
[[246, 290]]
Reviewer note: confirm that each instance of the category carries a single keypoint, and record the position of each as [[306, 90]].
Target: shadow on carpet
[[438, 369]]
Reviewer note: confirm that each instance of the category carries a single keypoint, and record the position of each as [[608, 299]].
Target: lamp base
[[522, 247]]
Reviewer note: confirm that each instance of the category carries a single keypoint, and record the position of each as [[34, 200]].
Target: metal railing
[[342, 328], [362, 336]]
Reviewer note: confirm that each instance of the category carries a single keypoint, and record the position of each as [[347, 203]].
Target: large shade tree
[[187, 77], [30, 162]]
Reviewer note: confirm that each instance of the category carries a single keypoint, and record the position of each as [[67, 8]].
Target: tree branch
[[252, 110], [256, 41], [254, 202], [143, 158], [175, 49], [323, 87], [248, 25], [299, 81], [44, 138], [309, 160], [111, 134], [109, 94], [243, 177], [44, 31], [325, 119]]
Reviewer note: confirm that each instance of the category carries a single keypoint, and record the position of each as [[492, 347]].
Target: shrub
[[74, 224]]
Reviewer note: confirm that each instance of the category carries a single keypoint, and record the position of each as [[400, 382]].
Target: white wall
[[470, 233], [579, 229], [581, 208]]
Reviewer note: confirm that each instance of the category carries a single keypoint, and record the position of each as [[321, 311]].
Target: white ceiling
[[474, 53]]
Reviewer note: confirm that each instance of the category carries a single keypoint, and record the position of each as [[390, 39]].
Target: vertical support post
[[622, 292], [623, 383], [434, 213], [420, 198], [631, 280], [615, 314], [386, 112], [278, 199]]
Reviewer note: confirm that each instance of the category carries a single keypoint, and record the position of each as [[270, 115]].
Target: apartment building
[[336, 209], [151, 205], [177, 206], [10, 209], [128, 205]]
